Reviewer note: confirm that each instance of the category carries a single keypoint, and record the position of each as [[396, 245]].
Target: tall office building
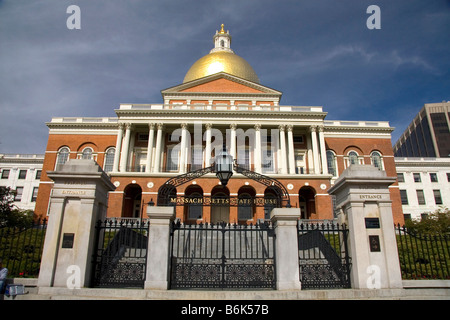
[[428, 135]]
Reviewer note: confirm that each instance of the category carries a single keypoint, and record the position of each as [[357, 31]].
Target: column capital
[[281, 127], [289, 127], [233, 126], [312, 129], [320, 128], [257, 126], [208, 126], [151, 126], [128, 126], [184, 125], [120, 125], [160, 126]]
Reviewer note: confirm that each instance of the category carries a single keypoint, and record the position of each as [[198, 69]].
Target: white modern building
[[424, 185], [22, 173]]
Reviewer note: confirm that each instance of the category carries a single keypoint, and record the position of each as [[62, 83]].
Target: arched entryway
[[246, 203], [307, 202], [193, 203], [272, 199], [220, 204], [132, 201]]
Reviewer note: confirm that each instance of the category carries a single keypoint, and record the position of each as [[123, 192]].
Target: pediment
[[221, 83]]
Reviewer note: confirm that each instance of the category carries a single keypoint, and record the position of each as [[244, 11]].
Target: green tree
[[437, 222], [10, 215]]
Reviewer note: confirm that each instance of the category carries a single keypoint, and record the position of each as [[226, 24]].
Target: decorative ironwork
[[168, 189], [221, 256], [120, 258], [323, 256]]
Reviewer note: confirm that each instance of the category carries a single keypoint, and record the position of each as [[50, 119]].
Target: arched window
[[353, 157], [109, 160], [245, 206], [331, 161], [87, 154], [376, 160], [63, 156], [195, 206]]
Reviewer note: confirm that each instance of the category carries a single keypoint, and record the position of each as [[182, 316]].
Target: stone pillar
[[125, 148], [285, 223], [158, 247], [257, 159], [208, 145], [233, 141], [118, 148], [363, 198], [291, 155], [315, 149], [323, 151], [79, 198], [183, 148], [159, 137], [151, 134], [283, 153]]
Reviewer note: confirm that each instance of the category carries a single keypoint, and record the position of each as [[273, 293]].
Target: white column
[[233, 141], [151, 135], [125, 148], [290, 128], [156, 165], [323, 152], [257, 156], [118, 148], [208, 145], [283, 154], [315, 149], [183, 148]]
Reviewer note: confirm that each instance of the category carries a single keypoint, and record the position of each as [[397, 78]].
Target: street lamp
[[224, 167]]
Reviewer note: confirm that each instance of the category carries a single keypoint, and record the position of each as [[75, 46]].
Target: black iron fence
[[324, 260], [21, 249], [221, 256], [423, 256]]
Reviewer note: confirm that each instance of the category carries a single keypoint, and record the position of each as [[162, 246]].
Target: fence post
[[286, 247], [158, 256], [363, 198]]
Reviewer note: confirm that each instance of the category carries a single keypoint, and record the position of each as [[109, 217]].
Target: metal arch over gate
[[222, 256]]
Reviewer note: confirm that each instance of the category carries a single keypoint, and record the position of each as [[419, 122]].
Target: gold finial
[[221, 30]]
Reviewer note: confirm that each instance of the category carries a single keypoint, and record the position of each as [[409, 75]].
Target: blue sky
[[318, 53]]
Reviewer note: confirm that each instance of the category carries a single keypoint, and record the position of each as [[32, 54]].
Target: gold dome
[[221, 59]]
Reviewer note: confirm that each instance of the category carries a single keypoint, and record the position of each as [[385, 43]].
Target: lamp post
[[224, 167]]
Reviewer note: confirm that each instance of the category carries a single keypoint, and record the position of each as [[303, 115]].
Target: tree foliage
[[10, 215], [437, 222]]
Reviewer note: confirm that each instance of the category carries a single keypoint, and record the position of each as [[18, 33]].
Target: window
[[376, 159], [63, 156], [417, 177], [420, 197], [34, 196], [433, 177], [331, 161], [400, 177], [22, 174], [353, 158], [298, 139], [5, 174], [18, 195], [172, 158], [404, 196], [109, 160], [195, 206], [196, 157], [38, 174], [437, 196], [267, 160], [87, 154], [448, 176]]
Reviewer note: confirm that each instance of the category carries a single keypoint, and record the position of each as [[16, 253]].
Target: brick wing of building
[[220, 104]]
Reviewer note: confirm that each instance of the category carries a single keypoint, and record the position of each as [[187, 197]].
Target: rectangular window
[[5, 174], [420, 197], [433, 177], [400, 177], [18, 195], [38, 174], [417, 177], [172, 158], [267, 161], [34, 196], [437, 196], [404, 196], [22, 174], [448, 176]]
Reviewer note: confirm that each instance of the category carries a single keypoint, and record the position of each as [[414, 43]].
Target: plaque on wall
[[372, 223], [67, 242], [374, 243]]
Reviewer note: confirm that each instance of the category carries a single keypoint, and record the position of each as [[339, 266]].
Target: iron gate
[[120, 258], [222, 256], [323, 255]]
